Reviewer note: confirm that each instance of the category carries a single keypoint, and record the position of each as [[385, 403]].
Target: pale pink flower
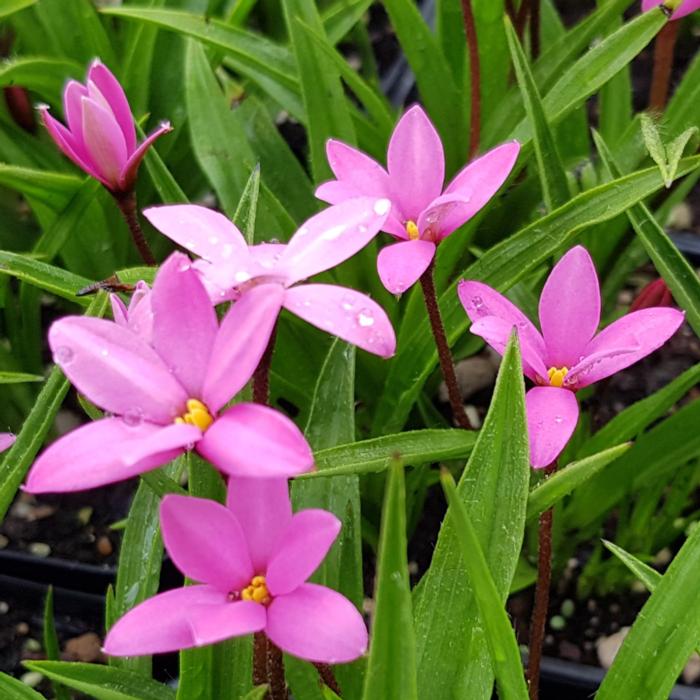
[[422, 212], [231, 269], [253, 558], [569, 354], [6, 441], [138, 316], [168, 395], [101, 137], [685, 8]]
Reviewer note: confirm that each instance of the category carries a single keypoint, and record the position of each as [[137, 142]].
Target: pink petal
[[345, 313], [214, 623], [184, 323], [202, 231], [644, 330], [416, 163], [496, 332], [577, 375], [113, 92], [331, 237], [443, 216], [240, 343], [264, 510], [120, 313], [552, 414], [301, 550], [216, 280], [116, 369], [569, 308], [104, 452], [256, 441], [482, 178], [317, 624], [73, 110], [104, 141], [127, 176], [206, 542], [160, 624], [400, 265], [685, 8], [140, 312], [6, 440], [357, 171]]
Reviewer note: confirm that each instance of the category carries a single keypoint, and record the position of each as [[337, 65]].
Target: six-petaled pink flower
[[100, 138], [231, 269], [685, 8], [569, 354], [6, 440], [422, 213], [170, 394], [252, 560]]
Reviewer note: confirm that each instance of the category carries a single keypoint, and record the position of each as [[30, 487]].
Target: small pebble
[[663, 557], [87, 648], [594, 621], [39, 549], [591, 605], [84, 515], [31, 678], [3, 541], [32, 645], [568, 608], [557, 622], [104, 546], [4, 607], [22, 629], [614, 608]]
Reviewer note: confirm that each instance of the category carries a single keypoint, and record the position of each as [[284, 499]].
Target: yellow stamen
[[197, 415], [412, 230], [257, 591], [556, 375]]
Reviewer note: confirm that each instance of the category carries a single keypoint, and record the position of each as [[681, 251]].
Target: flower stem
[[544, 577], [268, 667], [521, 19], [446, 364], [475, 77], [261, 376], [126, 201], [259, 658], [663, 63], [325, 673]]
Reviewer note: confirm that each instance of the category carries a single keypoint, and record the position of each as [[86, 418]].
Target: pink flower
[[422, 213], [167, 395], [685, 8], [6, 440], [138, 316], [253, 558], [569, 355], [231, 269], [100, 138]]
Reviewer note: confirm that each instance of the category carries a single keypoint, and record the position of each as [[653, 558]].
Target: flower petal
[[331, 237], [184, 323], [569, 308], [483, 177], [128, 173], [345, 313], [214, 623], [416, 163], [116, 369], [106, 451], [73, 110], [357, 171], [202, 231], [240, 343], [104, 141], [256, 441], [264, 510], [685, 8], [642, 332], [552, 414], [139, 317], [400, 265], [6, 440], [160, 624], [317, 624], [206, 542], [301, 549], [443, 216]]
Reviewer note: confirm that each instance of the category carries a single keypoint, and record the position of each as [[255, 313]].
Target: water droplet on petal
[[104, 352], [63, 355], [213, 240], [133, 418], [558, 419], [347, 303], [477, 302], [365, 318], [227, 250], [184, 267], [241, 276], [334, 232], [191, 245], [381, 207]]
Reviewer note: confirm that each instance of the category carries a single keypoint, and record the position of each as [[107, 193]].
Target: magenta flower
[[138, 316], [422, 213], [252, 559], [100, 138], [169, 395], [685, 8], [6, 440], [569, 354], [231, 269]]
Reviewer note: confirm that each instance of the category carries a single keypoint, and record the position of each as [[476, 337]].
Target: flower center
[[412, 230], [257, 591], [556, 375], [197, 414]]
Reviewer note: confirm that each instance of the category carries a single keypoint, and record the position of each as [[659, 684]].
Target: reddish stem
[[326, 674], [261, 376], [268, 667], [126, 201], [259, 658], [521, 19], [663, 63], [446, 364], [544, 578], [475, 77]]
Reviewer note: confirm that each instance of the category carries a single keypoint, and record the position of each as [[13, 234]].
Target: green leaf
[[244, 216], [663, 636], [11, 6], [555, 189], [665, 156], [12, 689], [18, 377], [46, 76], [258, 693], [391, 670], [51, 646], [648, 576], [453, 658], [52, 189], [103, 682], [500, 637], [340, 18], [563, 482], [164, 182], [501, 267]]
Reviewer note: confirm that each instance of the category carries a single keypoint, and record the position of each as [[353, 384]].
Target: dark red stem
[[663, 63], [521, 19], [325, 673], [259, 658], [261, 376], [268, 667], [126, 201], [446, 364], [474, 76]]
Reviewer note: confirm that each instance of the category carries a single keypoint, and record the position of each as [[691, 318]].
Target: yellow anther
[[257, 591], [412, 230], [197, 415], [556, 375]]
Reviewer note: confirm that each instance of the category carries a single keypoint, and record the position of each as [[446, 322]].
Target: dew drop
[[184, 267], [133, 418], [347, 303], [241, 276], [334, 232], [307, 303], [213, 240], [63, 355], [104, 352], [362, 228], [191, 245], [381, 207], [227, 250], [558, 419], [477, 302], [365, 318]]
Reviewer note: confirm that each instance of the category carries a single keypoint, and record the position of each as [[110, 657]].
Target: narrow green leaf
[[391, 670], [342, 16], [12, 689], [247, 209], [258, 693], [161, 484], [648, 576], [665, 156], [500, 637], [164, 182], [45, 76], [103, 682], [51, 642], [52, 189], [12, 6], [19, 377]]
